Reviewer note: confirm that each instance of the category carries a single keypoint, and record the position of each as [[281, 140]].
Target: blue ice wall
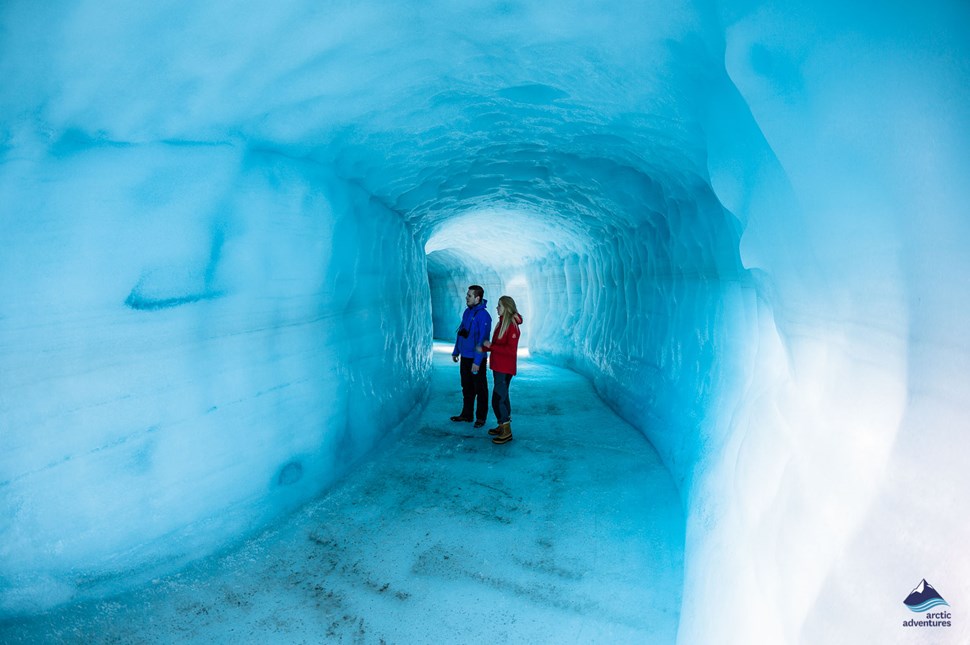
[[745, 221], [643, 310], [177, 366]]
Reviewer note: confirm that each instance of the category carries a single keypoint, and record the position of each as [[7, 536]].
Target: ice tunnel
[[230, 232]]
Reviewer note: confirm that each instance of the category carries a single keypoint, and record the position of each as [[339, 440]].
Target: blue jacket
[[479, 325]]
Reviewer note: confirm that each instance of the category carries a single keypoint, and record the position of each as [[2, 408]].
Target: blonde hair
[[509, 312]]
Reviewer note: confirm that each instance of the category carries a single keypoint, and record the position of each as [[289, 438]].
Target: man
[[475, 329]]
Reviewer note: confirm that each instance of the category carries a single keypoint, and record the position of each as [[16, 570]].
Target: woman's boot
[[504, 434]]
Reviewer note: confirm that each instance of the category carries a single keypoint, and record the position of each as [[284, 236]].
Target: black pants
[[501, 404], [474, 386]]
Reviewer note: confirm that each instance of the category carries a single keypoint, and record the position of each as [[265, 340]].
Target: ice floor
[[571, 533]]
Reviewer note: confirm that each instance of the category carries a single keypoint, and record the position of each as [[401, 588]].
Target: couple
[[471, 346]]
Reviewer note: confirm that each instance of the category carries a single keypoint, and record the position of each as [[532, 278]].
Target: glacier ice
[[438, 537], [229, 237]]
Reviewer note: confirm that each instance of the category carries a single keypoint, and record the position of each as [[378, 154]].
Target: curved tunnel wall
[[206, 363], [727, 231]]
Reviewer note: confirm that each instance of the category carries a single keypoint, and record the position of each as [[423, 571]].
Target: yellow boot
[[505, 433]]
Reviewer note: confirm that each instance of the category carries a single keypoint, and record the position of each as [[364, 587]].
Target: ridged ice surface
[[228, 235], [560, 535]]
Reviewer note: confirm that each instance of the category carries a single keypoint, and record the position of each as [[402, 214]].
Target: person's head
[[474, 295], [506, 307], [507, 311]]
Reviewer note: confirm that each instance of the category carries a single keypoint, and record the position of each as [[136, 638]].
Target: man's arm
[[484, 328]]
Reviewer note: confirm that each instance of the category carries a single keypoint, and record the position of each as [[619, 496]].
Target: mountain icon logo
[[924, 597]]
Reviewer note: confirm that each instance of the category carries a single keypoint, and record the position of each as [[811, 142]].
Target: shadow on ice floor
[[571, 533]]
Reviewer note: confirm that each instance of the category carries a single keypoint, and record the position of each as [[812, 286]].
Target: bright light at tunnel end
[[441, 347]]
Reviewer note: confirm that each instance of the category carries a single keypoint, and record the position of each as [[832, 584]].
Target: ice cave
[[234, 242]]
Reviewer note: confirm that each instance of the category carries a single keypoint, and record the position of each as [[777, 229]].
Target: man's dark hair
[[477, 291]]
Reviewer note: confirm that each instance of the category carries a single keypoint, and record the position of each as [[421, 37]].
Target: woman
[[504, 346]]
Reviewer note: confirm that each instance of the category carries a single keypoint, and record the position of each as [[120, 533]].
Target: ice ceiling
[[745, 222]]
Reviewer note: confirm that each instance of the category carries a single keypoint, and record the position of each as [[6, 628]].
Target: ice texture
[[745, 222], [193, 365], [560, 535]]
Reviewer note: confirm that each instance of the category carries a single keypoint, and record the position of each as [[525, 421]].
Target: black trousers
[[474, 386]]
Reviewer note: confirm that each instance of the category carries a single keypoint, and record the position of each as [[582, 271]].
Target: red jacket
[[504, 349]]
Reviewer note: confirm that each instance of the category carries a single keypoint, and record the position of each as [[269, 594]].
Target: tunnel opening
[[450, 273], [490, 248], [626, 277]]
